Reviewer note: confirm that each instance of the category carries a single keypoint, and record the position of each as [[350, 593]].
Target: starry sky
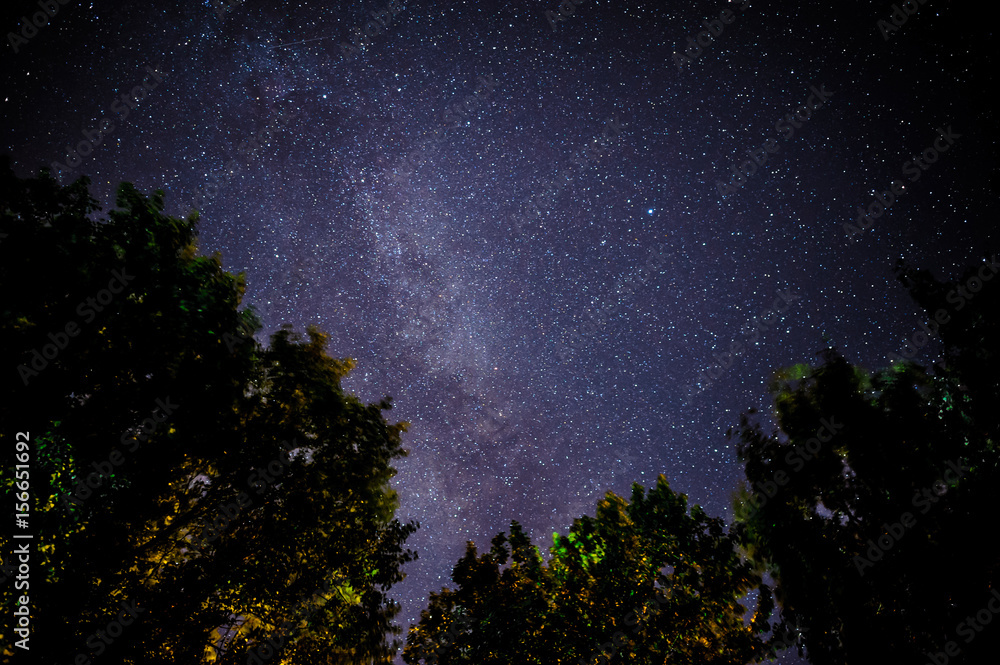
[[522, 224]]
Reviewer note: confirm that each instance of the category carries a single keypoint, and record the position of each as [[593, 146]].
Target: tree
[[643, 581], [869, 502], [236, 492]]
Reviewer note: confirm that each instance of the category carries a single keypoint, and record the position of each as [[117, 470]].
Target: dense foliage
[[235, 502], [240, 493], [644, 581], [878, 537]]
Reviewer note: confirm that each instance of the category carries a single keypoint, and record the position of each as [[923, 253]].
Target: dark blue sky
[[517, 229]]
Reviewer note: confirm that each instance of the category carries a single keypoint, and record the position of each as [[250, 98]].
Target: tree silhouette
[[869, 503], [643, 581], [240, 494]]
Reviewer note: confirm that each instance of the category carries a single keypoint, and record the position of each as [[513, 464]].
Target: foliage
[[600, 586], [819, 534], [322, 518]]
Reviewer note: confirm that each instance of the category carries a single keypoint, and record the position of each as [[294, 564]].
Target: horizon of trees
[[242, 499]]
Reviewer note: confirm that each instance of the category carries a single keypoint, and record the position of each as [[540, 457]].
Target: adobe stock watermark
[[38, 21], [122, 105], [959, 297], [429, 146], [921, 499], [457, 626], [249, 150], [725, 360], [363, 38], [796, 458], [22, 608], [265, 652], [88, 309], [815, 101], [580, 160], [899, 17], [969, 629], [636, 617], [102, 470], [223, 7], [227, 514], [623, 290], [878, 207], [713, 29], [566, 9], [258, 480], [102, 639]]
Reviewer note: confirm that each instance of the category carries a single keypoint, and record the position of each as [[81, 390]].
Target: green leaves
[[901, 426], [325, 514], [603, 590]]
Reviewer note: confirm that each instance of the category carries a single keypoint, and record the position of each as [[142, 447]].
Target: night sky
[[517, 227]]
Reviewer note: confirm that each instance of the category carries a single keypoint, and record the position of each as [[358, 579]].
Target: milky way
[[511, 217]]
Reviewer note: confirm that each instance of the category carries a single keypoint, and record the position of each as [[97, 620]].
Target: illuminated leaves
[[317, 547], [643, 580]]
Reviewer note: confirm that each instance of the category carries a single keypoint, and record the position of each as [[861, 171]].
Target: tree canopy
[[645, 581], [236, 493], [873, 532], [235, 502]]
